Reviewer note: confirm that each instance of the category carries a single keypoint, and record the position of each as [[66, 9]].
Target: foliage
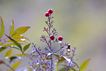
[[2, 29], [56, 55], [84, 65]]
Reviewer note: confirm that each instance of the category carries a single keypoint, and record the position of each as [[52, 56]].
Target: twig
[[9, 66]]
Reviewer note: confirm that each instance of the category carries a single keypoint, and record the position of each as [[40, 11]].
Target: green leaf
[[2, 48], [15, 47], [12, 28], [84, 65], [15, 65], [62, 69], [15, 42], [21, 30], [19, 37], [60, 60], [21, 55], [26, 47], [2, 28], [8, 45], [1, 43], [8, 53], [72, 69], [29, 69]]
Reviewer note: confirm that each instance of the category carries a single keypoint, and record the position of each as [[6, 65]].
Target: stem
[[49, 25], [51, 63], [9, 66], [58, 50], [22, 51], [47, 44], [77, 66], [36, 50], [49, 20]]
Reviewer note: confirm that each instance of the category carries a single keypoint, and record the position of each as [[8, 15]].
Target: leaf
[[15, 47], [2, 49], [18, 37], [15, 65], [1, 43], [2, 28], [84, 65], [26, 47], [8, 45], [72, 69], [15, 42], [21, 55], [21, 30], [29, 69], [12, 28], [12, 45], [8, 53], [60, 60], [62, 69]]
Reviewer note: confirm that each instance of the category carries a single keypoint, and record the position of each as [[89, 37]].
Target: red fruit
[[50, 11], [47, 14], [1, 62], [52, 37], [60, 38]]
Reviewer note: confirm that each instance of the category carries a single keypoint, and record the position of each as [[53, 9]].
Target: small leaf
[[21, 30], [15, 42], [21, 55], [72, 69], [2, 48], [84, 65], [18, 37], [8, 44], [1, 43], [26, 47], [15, 47], [15, 65], [12, 28], [8, 53], [62, 69], [60, 60], [29, 69], [2, 28]]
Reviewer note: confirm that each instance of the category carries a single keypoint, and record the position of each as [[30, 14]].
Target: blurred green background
[[81, 22]]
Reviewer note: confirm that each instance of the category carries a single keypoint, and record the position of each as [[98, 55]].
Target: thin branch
[[9, 66]]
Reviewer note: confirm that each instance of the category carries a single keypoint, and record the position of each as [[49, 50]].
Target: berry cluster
[[60, 38], [49, 12]]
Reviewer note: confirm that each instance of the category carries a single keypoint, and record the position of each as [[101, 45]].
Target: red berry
[[47, 14], [1, 62], [50, 11], [60, 38], [52, 37]]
